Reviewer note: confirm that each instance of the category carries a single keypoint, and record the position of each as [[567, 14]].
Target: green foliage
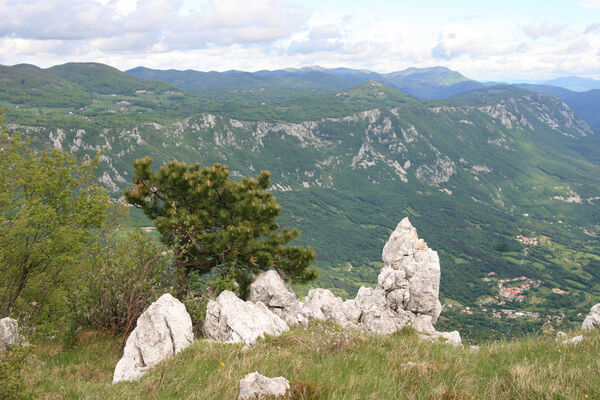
[[212, 222], [12, 382], [123, 276], [48, 205], [349, 208]]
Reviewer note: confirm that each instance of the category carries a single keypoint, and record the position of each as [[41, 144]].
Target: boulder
[[271, 290], [593, 319], [9, 333], [256, 386], [232, 320], [164, 329], [321, 304]]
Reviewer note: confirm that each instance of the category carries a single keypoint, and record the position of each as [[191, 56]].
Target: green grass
[[330, 363]]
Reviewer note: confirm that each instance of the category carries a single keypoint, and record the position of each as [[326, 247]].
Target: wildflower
[[559, 350], [222, 364]]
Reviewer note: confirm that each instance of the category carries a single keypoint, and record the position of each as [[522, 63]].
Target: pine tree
[[216, 224]]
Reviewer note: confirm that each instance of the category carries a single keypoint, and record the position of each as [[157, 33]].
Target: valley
[[503, 182]]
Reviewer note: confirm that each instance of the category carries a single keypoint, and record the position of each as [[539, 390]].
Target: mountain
[[425, 83], [500, 181], [586, 104], [574, 83]]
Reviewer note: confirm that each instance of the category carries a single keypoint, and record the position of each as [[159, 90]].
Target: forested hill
[[501, 181]]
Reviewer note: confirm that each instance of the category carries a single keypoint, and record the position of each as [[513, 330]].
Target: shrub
[[124, 278], [12, 385]]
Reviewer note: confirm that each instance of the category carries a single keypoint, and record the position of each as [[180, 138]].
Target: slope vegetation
[[501, 181]]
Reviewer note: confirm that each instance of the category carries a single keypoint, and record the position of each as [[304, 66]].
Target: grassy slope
[[325, 362]]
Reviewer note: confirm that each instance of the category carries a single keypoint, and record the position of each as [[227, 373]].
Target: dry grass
[[327, 362]]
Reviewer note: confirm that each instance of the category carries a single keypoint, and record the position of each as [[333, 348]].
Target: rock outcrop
[[164, 329], [271, 290], [9, 333], [232, 320], [321, 304], [593, 319], [407, 292], [256, 386]]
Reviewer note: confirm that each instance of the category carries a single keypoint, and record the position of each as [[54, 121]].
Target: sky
[[483, 39]]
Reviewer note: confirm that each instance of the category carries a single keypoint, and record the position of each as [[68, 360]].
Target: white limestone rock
[[321, 304], [574, 340], [593, 319], [232, 320], [407, 292], [256, 386], [376, 314], [415, 268], [271, 290], [9, 333], [163, 330]]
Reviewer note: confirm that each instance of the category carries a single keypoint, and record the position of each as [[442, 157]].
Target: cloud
[[592, 28], [458, 40], [323, 38], [589, 3], [544, 29], [108, 22]]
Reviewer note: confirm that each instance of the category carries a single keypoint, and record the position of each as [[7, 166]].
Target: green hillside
[[501, 181]]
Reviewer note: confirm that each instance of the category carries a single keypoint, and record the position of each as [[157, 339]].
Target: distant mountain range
[[503, 181], [423, 83], [574, 83]]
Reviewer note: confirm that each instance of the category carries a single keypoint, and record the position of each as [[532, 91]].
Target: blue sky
[[486, 40]]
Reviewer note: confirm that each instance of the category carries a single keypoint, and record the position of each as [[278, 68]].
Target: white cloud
[[589, 3], [544, 29], [592, 28], [217, 22], [462, 40]]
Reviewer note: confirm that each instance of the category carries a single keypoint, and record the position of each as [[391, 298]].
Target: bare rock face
[[593, 319], [9, 333], [232, 320], [271, 290], [256, 386], [163, 330]]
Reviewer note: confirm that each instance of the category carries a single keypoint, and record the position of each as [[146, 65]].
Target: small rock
[[560, 335], [9, 333], [593, 319], [271, 290], [257, 386], [232, 320], [474, 349], [575, 340], [413, 364], [164, 329]]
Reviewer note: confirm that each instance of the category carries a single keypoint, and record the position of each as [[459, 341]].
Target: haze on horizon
[[509, 40]]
